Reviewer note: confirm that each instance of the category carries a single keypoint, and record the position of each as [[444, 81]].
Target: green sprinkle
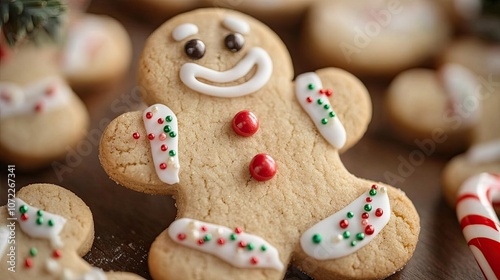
[[33, 251], [310, 86], [39, 213], [326, 107], [50, 223], [373, 192], [250, 246], [263, 248], [167, 128], [324, 121], [169, 118], [353, 243], [207, 237], [23, 209], [360, 236], [346, 234], [172, 153], [172, 134], [331, 114], [39, 221], [350, 215], [316, 239], [320, 101], [368, 207], [233, 236]]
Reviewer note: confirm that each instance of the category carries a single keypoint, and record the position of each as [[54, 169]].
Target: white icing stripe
[[462, 88], [474, 231], [4, 238], [472, 206], [161, 125], [183, 31], [38, 223], [239, 249], [191, 72], [84, 39], [93, 274], [348, 230], [314, 100], [45, 95], [236, 24], [484, 152]]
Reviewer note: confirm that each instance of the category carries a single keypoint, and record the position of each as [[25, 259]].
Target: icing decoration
[[84, 39], [39, 224], [479, 222], [314, 99], [233, 246], [161, 126], [183, 31], [462, 87], [4, 238], [45, 95], [350, 229], [237, 25], [262, 167], [191, 72], [93, 274], [245, 123], [484, 152]]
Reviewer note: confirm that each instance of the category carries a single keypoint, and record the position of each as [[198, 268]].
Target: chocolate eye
[[195, 48], [234, 42]]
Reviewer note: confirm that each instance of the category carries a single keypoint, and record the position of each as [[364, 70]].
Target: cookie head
[[213, 52]]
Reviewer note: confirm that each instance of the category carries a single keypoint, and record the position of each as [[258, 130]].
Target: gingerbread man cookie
[[380, 37], [252, 159], [40, 116], [44, 231]]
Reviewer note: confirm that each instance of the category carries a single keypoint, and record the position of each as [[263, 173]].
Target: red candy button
[[245, 123], [262, 167]]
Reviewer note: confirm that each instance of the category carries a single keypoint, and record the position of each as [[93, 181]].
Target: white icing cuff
[[233, 246], [348, 230], [484, 152]]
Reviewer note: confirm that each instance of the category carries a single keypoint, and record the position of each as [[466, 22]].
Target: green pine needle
[[31, 20]]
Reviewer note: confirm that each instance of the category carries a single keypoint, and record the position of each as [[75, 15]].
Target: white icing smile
[[191, 73]]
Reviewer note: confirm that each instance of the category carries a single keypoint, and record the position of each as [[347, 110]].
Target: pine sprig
[[30, 19]]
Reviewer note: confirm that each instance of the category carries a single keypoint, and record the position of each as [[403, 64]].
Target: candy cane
[[479, 222]]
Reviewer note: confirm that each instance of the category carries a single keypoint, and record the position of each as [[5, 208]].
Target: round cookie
[[52, 229], [40, 116], [376, 37], [438, 106], [198, 71], [97, 51]]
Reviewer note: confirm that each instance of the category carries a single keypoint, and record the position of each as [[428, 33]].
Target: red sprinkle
[[369, 230], [28, 262], [329, 92], [374, 187], [160, 121], [163, 166], [309, 99], [51, 90], [203, 228], [201, 241], [136, 135], [365, 215], [262, 167], [245, 123], [151, 136], [321, 91], [238, 230], [344, 223], [221, 241], [24, 217], [181, 236], [164, 148], [149, 115], [379, 212], [368, 199], [254, 260], [5, 96], [56, 254], [38, 107], [242, 244]]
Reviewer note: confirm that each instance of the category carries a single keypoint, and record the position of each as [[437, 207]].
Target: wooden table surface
[[127, 222]]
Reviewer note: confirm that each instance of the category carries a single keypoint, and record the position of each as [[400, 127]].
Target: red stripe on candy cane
[[479, 223], [491, 252], [478, 220]]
